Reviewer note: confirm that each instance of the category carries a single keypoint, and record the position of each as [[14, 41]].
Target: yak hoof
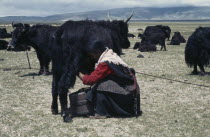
[[54, 110], [67, 117], [194, 72], [45, 73], [203, 74], [40, 72]]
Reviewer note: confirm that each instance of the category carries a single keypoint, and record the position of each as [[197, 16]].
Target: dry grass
[[169, 108]]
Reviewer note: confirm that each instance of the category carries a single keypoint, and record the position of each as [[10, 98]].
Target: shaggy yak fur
[[197, 50], [119, 31], [154, 38], [145, 46], [177, 39], [70, 47], [37, 36], [166, 30]]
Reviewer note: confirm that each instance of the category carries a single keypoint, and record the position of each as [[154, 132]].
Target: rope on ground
[[200, 85], [10, 69]]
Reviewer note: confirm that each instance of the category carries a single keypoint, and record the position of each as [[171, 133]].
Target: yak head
[[123, 28], [18, 34], [177, 34]]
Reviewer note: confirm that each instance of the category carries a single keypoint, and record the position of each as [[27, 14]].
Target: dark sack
[[78, 104]]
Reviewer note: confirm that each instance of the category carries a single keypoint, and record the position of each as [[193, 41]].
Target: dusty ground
[[169, 108]]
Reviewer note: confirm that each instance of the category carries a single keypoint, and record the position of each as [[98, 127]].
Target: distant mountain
[[140, 13]]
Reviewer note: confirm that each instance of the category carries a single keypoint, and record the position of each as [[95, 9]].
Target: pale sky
[[50, 7]]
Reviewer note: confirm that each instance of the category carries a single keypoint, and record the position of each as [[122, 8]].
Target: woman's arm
[[102, 71]]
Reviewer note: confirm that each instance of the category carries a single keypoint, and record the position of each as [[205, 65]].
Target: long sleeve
[[101, 71]]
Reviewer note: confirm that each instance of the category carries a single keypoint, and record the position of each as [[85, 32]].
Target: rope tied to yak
[[200, 85]]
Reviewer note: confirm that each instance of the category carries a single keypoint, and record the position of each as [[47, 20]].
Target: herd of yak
[[68, 45]]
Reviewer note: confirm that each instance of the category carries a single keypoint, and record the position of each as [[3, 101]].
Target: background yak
[[3, 44], [4, 34], [197, 50], [164, 30], [37, 36], [177, 39], [156, 35], [145, 46], [154, 38], [71, 44]]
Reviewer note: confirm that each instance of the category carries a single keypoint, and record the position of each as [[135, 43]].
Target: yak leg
[[161, 48], [46, 66], [57, 71], [54, 106], [169, 38], [195, 71], [41, 63], [202, 69], [161, 44], [63, 101], [164, 46], [69, 77]]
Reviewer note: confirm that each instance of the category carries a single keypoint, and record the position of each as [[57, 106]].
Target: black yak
[[37, 36], [177, 39], [70, 47], [4, 34], [181, 38], [154, 38], [145, 46], [3, 44], [165, 30], [197, 50]]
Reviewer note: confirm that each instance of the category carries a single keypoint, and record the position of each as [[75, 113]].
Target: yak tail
[[72, 58], [190, 55], [63, 62]]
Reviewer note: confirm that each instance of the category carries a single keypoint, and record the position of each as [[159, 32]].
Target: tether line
[[206, 86]]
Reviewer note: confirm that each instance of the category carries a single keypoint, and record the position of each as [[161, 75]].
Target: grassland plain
[[170, 108]]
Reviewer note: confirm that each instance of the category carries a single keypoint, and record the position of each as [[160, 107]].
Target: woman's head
[[95, 49]]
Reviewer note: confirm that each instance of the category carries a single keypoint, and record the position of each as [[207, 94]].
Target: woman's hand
[[80, 75]]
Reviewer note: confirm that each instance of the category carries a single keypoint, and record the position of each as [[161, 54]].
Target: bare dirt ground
[[170, 108]]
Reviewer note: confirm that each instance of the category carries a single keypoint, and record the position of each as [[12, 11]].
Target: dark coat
[[197, 50], [121, 82]]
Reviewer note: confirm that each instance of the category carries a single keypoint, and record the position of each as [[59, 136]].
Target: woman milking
[[114, 91]]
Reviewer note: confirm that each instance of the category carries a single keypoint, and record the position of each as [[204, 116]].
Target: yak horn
[[108, 16], [129, 17]]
